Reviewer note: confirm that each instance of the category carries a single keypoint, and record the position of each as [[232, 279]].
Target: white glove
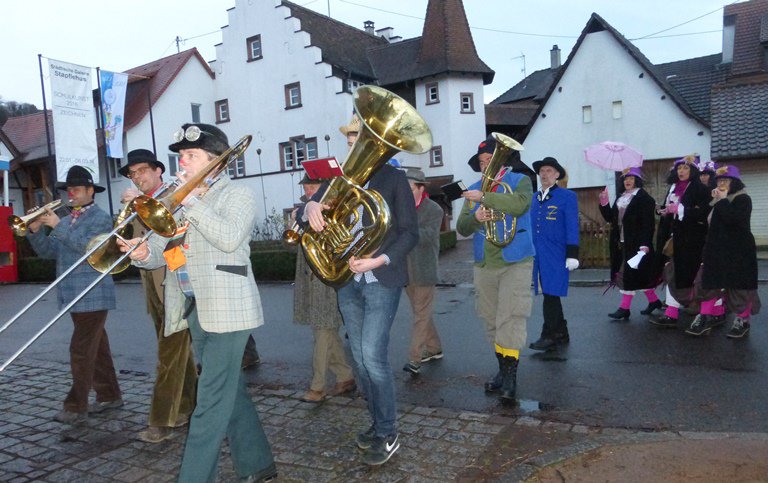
[[571, 264], [680, 212], [635, 261]]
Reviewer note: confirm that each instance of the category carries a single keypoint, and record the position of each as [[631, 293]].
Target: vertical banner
[[113, 86], [74, 122]]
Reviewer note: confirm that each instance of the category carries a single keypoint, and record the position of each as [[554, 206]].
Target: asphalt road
[[613, 374]]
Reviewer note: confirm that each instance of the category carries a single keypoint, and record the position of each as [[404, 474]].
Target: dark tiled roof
[[747, 53], [27, 133], [394, 63], [693, 80], [447, 44], [341, 45], [508, 115], [533, 87], [448, 48], [740, 121], [160, 74]]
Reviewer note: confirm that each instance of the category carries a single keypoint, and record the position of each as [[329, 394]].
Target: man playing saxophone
[[502, 274]]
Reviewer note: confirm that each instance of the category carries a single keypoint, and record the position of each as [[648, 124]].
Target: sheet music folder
[[454, 190], [324, 168]]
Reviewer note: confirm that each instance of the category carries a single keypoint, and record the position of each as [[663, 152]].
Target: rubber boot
[[508, 367], [493, 386]]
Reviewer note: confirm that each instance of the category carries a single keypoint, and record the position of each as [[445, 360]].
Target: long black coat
[[639, 222], [688, 235], [730, 256]]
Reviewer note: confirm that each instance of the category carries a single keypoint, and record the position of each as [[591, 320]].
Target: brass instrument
[[157, 214], [498, 230], [388, 125], [19, 224], [104, 247]]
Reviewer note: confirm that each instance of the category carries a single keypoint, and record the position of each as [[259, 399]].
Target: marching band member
[[211, 290]]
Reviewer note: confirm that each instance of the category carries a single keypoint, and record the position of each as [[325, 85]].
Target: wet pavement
[[619, 400]]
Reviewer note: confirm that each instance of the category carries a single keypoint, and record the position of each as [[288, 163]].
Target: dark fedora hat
[[197, 135], [487, 146], [79, 176], [307, 180], [138, 156], [549, 161]]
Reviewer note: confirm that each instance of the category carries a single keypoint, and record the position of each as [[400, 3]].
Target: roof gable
[[597, 24], [153, 79], [27, 134]]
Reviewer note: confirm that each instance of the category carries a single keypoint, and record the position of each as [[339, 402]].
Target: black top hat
[[549, 161], [487, 146], [204, 136], [79, 176], [138, 156]]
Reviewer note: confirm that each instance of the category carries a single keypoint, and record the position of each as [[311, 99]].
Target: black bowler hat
[[138, 156], [204, 136], [79, 176], [549, 161], [487, 146], [307, 180]]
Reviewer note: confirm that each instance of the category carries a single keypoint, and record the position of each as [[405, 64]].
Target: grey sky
[[121, 35]]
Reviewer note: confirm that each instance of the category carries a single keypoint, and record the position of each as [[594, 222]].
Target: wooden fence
[[593, 244]]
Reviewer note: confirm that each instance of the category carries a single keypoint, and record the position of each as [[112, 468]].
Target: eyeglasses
[[191, 134], [137, 172]]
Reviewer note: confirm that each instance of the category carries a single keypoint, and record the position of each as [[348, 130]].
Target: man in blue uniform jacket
[[555, 216]]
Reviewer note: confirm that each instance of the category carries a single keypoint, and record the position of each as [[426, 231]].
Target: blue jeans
[[224, 408], [368, 311]]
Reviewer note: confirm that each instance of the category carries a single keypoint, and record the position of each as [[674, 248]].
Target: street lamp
[[327, 145]]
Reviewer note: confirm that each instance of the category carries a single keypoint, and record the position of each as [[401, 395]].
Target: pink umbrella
[[613, 155]]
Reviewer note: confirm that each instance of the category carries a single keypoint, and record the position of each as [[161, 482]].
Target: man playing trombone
[[210, 289], [173, 396], [90, 356]]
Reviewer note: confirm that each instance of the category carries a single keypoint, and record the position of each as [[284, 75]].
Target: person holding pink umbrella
[[632, 222]]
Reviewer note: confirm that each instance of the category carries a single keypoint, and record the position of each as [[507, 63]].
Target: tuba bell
[[388, 125], [499, 231]]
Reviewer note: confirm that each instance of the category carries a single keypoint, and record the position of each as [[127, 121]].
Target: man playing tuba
[[502, 269]]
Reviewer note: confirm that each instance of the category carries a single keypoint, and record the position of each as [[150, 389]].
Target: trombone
[[157, 215]]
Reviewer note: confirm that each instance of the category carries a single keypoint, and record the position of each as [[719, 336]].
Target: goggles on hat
[[191, 134]]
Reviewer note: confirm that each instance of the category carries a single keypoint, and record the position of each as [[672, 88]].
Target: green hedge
[[447, 240], [274, 265], [271, 261]]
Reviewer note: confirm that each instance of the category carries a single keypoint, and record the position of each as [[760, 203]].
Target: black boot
[[494, 385], [508, 366], [619, 314], [651, 307]]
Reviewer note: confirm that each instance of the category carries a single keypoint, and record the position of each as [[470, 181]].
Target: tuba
[[388, 125], [498, 230]]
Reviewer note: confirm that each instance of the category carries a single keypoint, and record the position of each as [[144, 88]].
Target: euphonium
[[498, 230], [388, 125], [19, 224]]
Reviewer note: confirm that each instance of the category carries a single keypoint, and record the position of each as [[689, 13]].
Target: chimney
[[554, 57], [385, 33], [368, 26], [729, 35]]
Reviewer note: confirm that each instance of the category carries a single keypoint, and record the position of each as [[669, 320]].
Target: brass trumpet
[[20, 224]]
